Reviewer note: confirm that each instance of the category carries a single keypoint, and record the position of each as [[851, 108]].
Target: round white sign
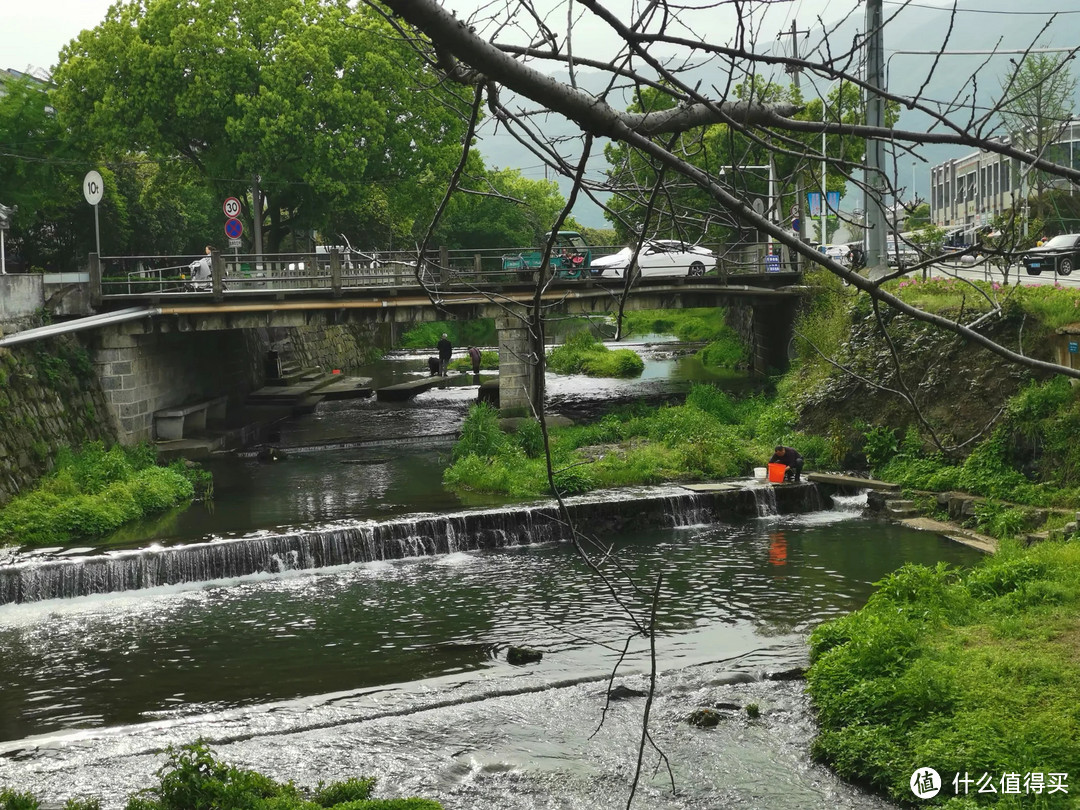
[[231, 207], [93, 187]]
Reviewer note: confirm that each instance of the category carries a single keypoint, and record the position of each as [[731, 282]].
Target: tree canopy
[[316, 98]]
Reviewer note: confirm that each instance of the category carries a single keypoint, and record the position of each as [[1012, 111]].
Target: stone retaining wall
[[49, 398]]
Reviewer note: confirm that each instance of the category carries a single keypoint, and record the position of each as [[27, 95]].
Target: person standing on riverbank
[[791, 457], [446, 349]]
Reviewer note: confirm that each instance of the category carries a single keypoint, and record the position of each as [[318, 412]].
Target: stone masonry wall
[[144, 372], [49, 398], [343, 346]]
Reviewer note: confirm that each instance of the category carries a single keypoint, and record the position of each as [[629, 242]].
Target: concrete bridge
[[159, 340]]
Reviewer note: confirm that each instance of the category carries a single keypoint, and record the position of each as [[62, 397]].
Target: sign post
[[93, 188], [5, 223]]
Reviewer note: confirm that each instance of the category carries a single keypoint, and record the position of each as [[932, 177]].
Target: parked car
[[1060, 255], [658, 257], [900, 254]]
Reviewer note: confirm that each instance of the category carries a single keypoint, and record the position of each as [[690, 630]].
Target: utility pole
[[794, 71], [876, 260]]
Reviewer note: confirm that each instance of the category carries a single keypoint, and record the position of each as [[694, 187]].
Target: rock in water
[[522, 655]]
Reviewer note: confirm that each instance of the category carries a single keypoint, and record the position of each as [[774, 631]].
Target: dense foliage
[[584, 354], [460, 334], [193, 778], [962, 671], [95, 491]]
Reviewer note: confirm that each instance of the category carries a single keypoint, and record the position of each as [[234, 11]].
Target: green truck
[[570, 257]]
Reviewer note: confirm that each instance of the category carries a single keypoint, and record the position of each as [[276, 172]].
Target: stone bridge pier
[[521, 387]]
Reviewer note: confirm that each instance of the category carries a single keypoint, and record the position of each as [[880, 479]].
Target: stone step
[[901, 508]]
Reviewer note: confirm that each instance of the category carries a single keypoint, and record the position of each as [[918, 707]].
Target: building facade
[[968, 192]]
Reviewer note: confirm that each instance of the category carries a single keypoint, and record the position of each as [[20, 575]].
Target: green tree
[[313, 96], [503, 210], [1035, 107], [41, 173]]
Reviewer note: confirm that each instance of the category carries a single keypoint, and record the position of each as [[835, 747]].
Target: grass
[[1030, 458], [489, 361], [584, 354], [194, 779], [972, 671], [95, 491], [1052, 305], [710, 436], [724, 350]]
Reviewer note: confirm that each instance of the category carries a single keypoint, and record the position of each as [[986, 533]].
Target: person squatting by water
[[474, 356], [446, 349], [789, 456]]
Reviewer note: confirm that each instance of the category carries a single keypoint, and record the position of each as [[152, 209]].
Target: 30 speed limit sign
[[231, 207]]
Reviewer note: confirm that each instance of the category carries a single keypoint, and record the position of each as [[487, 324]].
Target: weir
[[39, 577]]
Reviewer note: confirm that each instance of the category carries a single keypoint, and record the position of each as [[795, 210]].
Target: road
[[982, 272]]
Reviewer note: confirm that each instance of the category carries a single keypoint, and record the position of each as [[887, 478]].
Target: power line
[[981, 10]]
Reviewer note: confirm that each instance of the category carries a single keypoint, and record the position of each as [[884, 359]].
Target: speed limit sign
[[231, 207]]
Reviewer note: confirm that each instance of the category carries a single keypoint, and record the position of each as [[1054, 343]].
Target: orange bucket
[[776, 473]]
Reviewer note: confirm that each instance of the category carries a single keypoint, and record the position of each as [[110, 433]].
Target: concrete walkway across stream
[[850, 481], [408, 390]]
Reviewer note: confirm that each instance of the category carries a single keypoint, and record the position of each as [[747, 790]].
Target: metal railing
[[336, 272]]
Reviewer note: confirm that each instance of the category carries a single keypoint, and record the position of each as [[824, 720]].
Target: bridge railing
[[335, 271]]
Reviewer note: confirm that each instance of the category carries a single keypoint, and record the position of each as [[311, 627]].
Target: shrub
[[92, 493], [480, 433], [337, 793], [530, 437]]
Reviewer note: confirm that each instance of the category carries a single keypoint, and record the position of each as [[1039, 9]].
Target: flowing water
[[393, 664]]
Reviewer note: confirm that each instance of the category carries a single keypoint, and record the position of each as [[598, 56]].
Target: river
[[397, 667]]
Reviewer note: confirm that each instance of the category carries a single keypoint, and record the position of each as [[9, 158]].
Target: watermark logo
[[925, 783]]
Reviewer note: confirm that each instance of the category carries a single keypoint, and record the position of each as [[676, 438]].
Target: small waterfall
[[765, 501], [850, 503], [31, 578]]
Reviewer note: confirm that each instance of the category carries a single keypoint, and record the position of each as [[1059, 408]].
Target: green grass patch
[[712, 435], [95, 491], [193, 778], [584, 354], [973, 671], [1030, 458]]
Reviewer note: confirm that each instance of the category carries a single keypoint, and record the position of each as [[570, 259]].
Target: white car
[[658, 257]]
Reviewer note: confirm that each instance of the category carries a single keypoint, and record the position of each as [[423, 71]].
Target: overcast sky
[[32, 33]]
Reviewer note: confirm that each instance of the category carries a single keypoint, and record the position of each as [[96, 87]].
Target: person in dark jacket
[[446, 349], [789, 456]]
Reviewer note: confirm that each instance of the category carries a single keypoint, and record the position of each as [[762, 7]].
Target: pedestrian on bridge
[[446, 349], [200, 271]]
